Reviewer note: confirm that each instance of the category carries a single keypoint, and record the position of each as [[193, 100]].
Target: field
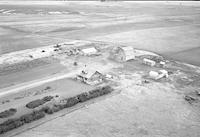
[[19, 75], [139, 106], [169, 28], [153, 110]]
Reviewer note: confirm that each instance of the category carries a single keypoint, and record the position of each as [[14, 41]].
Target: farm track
[[31, 84]]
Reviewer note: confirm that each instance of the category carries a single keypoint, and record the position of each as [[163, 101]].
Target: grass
[[8, 113]]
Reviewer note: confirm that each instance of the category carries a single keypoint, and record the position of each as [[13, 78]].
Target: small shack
[[123, 54], [162, 64], [91, 77], [149, 62], [89, 51]]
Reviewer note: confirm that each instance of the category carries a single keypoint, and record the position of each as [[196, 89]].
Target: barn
[[123, 54]]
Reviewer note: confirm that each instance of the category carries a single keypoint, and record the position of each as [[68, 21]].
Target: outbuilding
[[149, 62], [153, 74], [158, 74], [163, 73], [162, 64], [89, 51], [123, 54]]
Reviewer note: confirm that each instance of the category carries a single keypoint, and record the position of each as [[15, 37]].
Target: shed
[[89, 51], [158, 74], [164, 73], [153, 74], [123, 54], [149, 62], [162, 64]]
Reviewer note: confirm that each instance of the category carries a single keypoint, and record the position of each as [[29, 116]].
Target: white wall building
[[89, 51], [158, 74], [149, 62]]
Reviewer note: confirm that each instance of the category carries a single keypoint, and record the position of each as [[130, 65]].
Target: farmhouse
[[91, 77], [123, 54]]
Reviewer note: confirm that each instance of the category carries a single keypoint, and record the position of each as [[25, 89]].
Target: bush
[[49, 111], [18, 123], [35, 103], [47, 88], [27, 118], [56, 108], [38, 102], [1, 130], [35, 115], [9, 125], [99, 92], [105, 90], [47, 98], [60, 106], [8, 113], [15, 123], [94, 93], [5, 128], [44, 109], [83, 97], [71, 102]]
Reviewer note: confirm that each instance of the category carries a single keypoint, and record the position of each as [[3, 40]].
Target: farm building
[[158, 74], [91, 77], [89, 51], [153, 74], [162, 64], [123, 54], [149, 62]]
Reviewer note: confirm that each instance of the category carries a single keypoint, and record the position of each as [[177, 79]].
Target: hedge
[[38, 114], [8, 113], [94, 93], [35, 115], [83, 97], [38, 102], [71, 102], [15, 123]]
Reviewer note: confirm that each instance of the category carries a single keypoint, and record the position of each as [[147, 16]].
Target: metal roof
[[89, 50]]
